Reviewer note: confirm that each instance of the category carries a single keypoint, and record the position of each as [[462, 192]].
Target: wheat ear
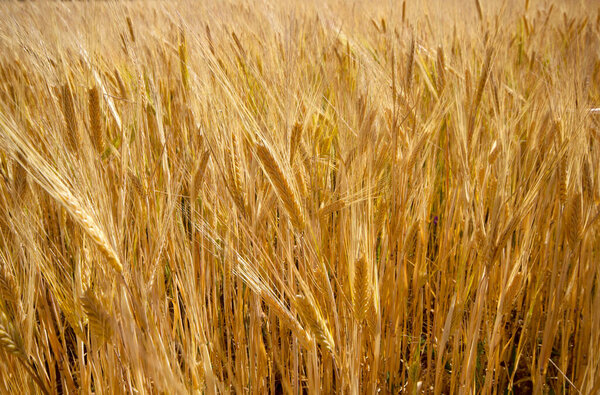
[[295, 140], [10, 340], [362, 290], [101, 323], [573, 219], [95, 120], [562, 181], [73, 136], [91, 228], [587, 180], [314, 320], [282, 186], [410, 63]]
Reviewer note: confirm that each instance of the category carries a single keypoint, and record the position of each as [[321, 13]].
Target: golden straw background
[[300, 197]]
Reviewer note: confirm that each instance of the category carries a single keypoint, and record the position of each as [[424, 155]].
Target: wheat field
[[300, 197]]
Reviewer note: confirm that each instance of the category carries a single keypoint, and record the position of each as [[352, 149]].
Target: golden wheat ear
[[315, 322], [73, 135], [573, 219], [96, 133], [101, 323], [49, 179], [362, 290], [282, 186], [10, 339], [295, 140]]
